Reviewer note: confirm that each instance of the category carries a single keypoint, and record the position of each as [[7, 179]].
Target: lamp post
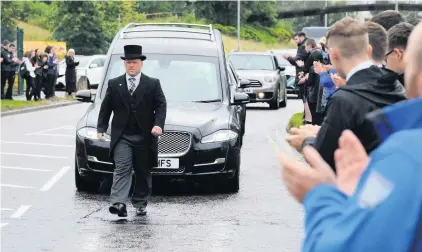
[[238, 25]]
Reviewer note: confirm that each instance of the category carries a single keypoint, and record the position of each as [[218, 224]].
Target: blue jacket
[[326, 82], [384, 212], [51, 65]]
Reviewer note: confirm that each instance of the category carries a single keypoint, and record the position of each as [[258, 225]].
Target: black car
[[203, 129]]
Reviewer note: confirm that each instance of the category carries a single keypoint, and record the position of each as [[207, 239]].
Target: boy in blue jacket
[[374, 203]]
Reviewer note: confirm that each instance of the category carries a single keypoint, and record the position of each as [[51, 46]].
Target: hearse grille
[[167, 171], [174, 143], [255, 83]]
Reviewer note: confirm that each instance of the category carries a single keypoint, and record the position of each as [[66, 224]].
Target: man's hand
[[298, 135], [299, 178], [100, 136], [338, 81], [351, 161], [318, 67], [157, 131], [286, 56], [300, 63], [312, 128]]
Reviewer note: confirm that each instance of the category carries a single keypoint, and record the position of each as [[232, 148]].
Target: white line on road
[[55, 135], [31, 155], [47, 130], [42, 144], [24, 169], [6, 209], [55, 178], [16, 186], [21, 211], [3, 224]]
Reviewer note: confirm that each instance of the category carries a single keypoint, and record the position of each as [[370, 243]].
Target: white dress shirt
[[364, 65], [137, 79]]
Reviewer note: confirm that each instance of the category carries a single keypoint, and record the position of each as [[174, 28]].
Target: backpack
[[23, 71]]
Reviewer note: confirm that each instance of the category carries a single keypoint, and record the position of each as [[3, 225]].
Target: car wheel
[[84, 185], [283, 104], [232, 184], [274, 104]]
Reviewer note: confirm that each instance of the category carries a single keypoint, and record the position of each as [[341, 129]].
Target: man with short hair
[[388, 18], [376, 204], [378, 41], [397, 43], [8, 65], [366, 90], [139, 108]]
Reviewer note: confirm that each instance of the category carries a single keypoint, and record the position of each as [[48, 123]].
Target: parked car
[[266, 76], [290, 69], [202, 133], [90, 66]]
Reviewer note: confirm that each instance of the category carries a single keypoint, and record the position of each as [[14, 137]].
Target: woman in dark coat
[[70, 76]]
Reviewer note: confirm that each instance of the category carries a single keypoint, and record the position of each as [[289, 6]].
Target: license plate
[[248, 90], [168, 163]]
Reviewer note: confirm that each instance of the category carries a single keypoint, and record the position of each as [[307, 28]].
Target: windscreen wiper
[[208, 101]]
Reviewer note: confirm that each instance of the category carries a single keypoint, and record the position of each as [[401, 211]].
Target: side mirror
[[93, 65], [84, 96], [244, 83], [282, 68], [240, 99]]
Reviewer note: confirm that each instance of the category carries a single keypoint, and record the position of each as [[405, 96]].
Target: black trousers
[[49, 86], [317, 118], [9, 77], [131, 154], [38, 86], [30, 88]]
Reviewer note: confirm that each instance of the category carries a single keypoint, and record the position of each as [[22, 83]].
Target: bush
[[295, 121]]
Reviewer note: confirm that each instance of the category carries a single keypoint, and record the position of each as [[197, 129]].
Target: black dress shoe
[[141, 211], [119, 209]]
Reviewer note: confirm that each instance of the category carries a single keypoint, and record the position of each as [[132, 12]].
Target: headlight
[[91, 133], [270, 79], [219, 136]]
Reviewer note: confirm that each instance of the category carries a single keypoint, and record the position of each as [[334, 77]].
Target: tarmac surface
[[42, 211]]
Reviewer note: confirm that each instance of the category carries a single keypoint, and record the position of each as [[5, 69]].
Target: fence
[[15, 36]]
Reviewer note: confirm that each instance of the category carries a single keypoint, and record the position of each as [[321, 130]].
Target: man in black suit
[[139, 107]]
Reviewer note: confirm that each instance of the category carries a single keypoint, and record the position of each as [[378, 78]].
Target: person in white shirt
[[30, 75]]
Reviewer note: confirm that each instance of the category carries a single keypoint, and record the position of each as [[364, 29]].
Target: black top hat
[[133, 52]]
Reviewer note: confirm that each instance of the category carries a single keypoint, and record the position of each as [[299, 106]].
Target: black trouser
[[9, 77], [54, 85], [49, 86], [30, 88], [38, 86], [317, 118]]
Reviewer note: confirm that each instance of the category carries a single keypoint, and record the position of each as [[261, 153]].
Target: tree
[[8, 23], [80, 27]]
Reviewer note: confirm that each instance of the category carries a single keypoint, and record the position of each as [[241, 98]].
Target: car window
[[252, 62], [98, 62], [232, 79], [83, 61], [182, 77]]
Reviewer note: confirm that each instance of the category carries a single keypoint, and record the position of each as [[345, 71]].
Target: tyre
[[283, 104], [274, 104], [232, 184], [84, 185]]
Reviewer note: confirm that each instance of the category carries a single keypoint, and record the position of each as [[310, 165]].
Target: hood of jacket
[[377, 86]]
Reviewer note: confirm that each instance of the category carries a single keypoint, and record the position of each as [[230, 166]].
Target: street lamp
[[238, 25]]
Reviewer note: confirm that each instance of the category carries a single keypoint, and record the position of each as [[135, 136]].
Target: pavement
[[42, 211]]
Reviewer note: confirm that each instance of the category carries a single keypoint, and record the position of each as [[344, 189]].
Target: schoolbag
[[23, 71]]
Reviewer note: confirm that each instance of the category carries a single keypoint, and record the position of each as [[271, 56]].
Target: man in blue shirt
[[375, 202]]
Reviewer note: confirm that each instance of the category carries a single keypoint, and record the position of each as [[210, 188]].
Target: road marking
[[24, 169], [47, 130], [55, 135], [6, 209], [55, 178], [21, 211], [3, 224], [31, 155], [42, 144], [16, 186]]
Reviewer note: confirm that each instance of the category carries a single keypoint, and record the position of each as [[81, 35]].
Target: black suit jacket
[[150, 110]]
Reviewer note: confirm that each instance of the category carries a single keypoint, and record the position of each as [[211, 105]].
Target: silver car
[[264, 78]]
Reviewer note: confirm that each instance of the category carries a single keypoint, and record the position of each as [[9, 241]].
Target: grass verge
[[296, 120], [33, 32], [8, 105]]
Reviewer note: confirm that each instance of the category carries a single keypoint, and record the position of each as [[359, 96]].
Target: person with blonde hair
[[70, 76]]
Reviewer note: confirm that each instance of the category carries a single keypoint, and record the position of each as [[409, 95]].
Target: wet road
[[42, 211]]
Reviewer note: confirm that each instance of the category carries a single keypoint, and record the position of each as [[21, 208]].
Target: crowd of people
[[38, 69], [362, 139]]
